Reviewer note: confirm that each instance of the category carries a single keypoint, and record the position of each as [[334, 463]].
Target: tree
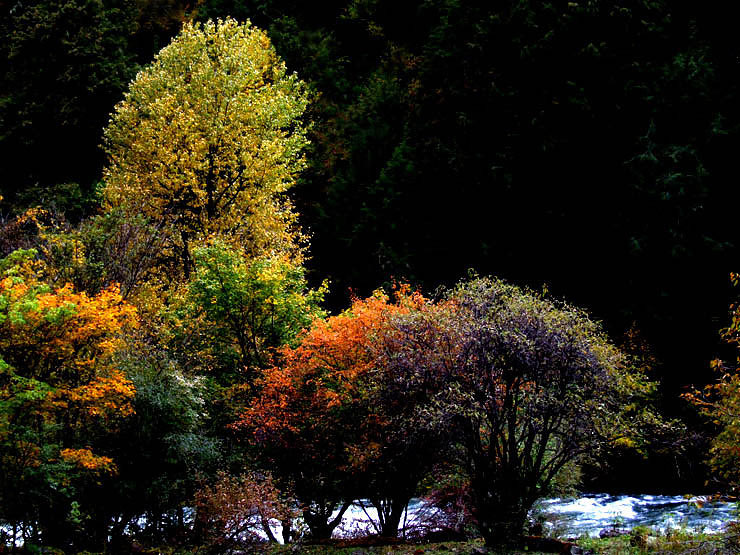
[[719, 402], [316, 421], [525, 106], [208, 139], [237, 512], [525, 386], [61, 396], [162, 451], [103, 250], [227, 323], [242, 310]]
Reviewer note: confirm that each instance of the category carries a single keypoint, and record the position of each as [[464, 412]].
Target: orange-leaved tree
[[315, 420], [720, 403], [60, 392]]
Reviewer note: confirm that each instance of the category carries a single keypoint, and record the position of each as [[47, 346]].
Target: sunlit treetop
[[208, 139]]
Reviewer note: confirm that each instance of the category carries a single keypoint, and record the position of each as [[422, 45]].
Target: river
[[588, 514]]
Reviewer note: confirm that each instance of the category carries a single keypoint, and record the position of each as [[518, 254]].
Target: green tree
[[231, 317], [236, 311], [208, 140], [163, 449]]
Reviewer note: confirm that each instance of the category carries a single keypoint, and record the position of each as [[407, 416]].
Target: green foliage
[[163, 450], [225, 326], [236, 310]]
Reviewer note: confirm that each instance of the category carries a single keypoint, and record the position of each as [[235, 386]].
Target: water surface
[[584, 515], [589, 514]]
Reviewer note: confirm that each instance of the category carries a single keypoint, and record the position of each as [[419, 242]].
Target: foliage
[[316, 419], [719, 402], [103, 250], [589, 146], [65, 63], [643, 540], [243, 309], [163, 450], [527, 387], [224, 326], [208, 139], [638, 97], [60, 392], [237, 512]]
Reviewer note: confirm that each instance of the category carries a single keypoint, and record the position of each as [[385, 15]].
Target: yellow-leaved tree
[[207, 141]]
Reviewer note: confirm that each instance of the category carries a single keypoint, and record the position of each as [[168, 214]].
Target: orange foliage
[[102, 396], [72, 337], [84, 458], [68, 321], [56, 355], [89, 324], [324, 371]]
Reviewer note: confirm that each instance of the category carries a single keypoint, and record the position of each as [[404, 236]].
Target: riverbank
[[639, 541]]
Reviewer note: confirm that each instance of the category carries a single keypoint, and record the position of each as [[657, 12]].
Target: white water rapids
[[589, 514], [586, 515]]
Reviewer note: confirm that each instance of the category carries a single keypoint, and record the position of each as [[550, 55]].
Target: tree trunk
[[391, 512], [185, 254], [499, 529], [199, 529], [500, 511], [287, 532], [55, 531], [320, 526], [118, 540]]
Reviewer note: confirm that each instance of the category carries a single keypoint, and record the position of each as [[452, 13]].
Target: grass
[[640, 541], [442, 548]]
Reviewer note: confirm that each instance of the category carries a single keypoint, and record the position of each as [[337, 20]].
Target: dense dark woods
[[585, 150]]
